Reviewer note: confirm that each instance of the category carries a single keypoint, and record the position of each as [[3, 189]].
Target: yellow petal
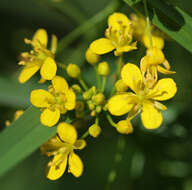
[[48, 69], [70, 100], [60, 84], [157, 41], [41, 98], [164, 89], [75, 165], [40, 36], [49, 118], [165, 71], [28, 71], [150, 116], [120, 104], [131, 76], [102, 46], [80, 144], [53, 44], [127, 48], [117, 20], [57, 169], [67, 132]]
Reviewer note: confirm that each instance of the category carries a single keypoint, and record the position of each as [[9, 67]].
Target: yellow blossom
[[57, 101], [139, 26], [151, 64], [118, 36], [62, 149], [40, 58], [142, 99]]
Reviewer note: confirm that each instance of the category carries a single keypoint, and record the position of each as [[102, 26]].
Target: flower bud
[[120, 86], [77, 89], [98, 109], [155, 56], [91, 105], [91, 57], [94, 130], [73, 71], [124, 127], [99, 99], [103, 68]]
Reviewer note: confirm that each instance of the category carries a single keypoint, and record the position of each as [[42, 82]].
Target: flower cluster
[[134, 90]]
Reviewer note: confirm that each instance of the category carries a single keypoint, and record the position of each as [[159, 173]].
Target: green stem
[[117, 159], [97, 121], [148, 23], [98, 78], [103, 84], [114, 5], [62, 66], [119, 65], [86, 134], [111, 120], [81, 81]]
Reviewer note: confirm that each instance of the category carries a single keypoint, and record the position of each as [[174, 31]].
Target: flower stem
[[103, 84], [119, 65], [97, 120], [109, 118], [98, 78], [86, 134], [81, 81], [62, 66], [148, 22]]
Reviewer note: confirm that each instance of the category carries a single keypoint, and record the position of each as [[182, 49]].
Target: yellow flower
[[118, 36], [62, 149], [143, 99], [40, 58], [58, 100], [139, 26], [150, 64]]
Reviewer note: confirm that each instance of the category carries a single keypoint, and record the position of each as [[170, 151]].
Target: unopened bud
[[120, 86], [99, 98], [77, 89], [103, 68], [91, 57], [94, 130], [155, 56], [124, 127], [73, 70]]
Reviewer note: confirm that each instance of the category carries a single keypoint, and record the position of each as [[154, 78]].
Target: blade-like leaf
[[132, 2], [14, 94], [171, 20], [23, 137]]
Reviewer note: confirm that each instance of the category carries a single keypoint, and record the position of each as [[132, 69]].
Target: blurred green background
[[159, 159]]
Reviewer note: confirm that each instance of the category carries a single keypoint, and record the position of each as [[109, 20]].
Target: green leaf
[[86, 26], [23, 137], [132, 2], [172, 20], [182, 32], [14, 94]]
